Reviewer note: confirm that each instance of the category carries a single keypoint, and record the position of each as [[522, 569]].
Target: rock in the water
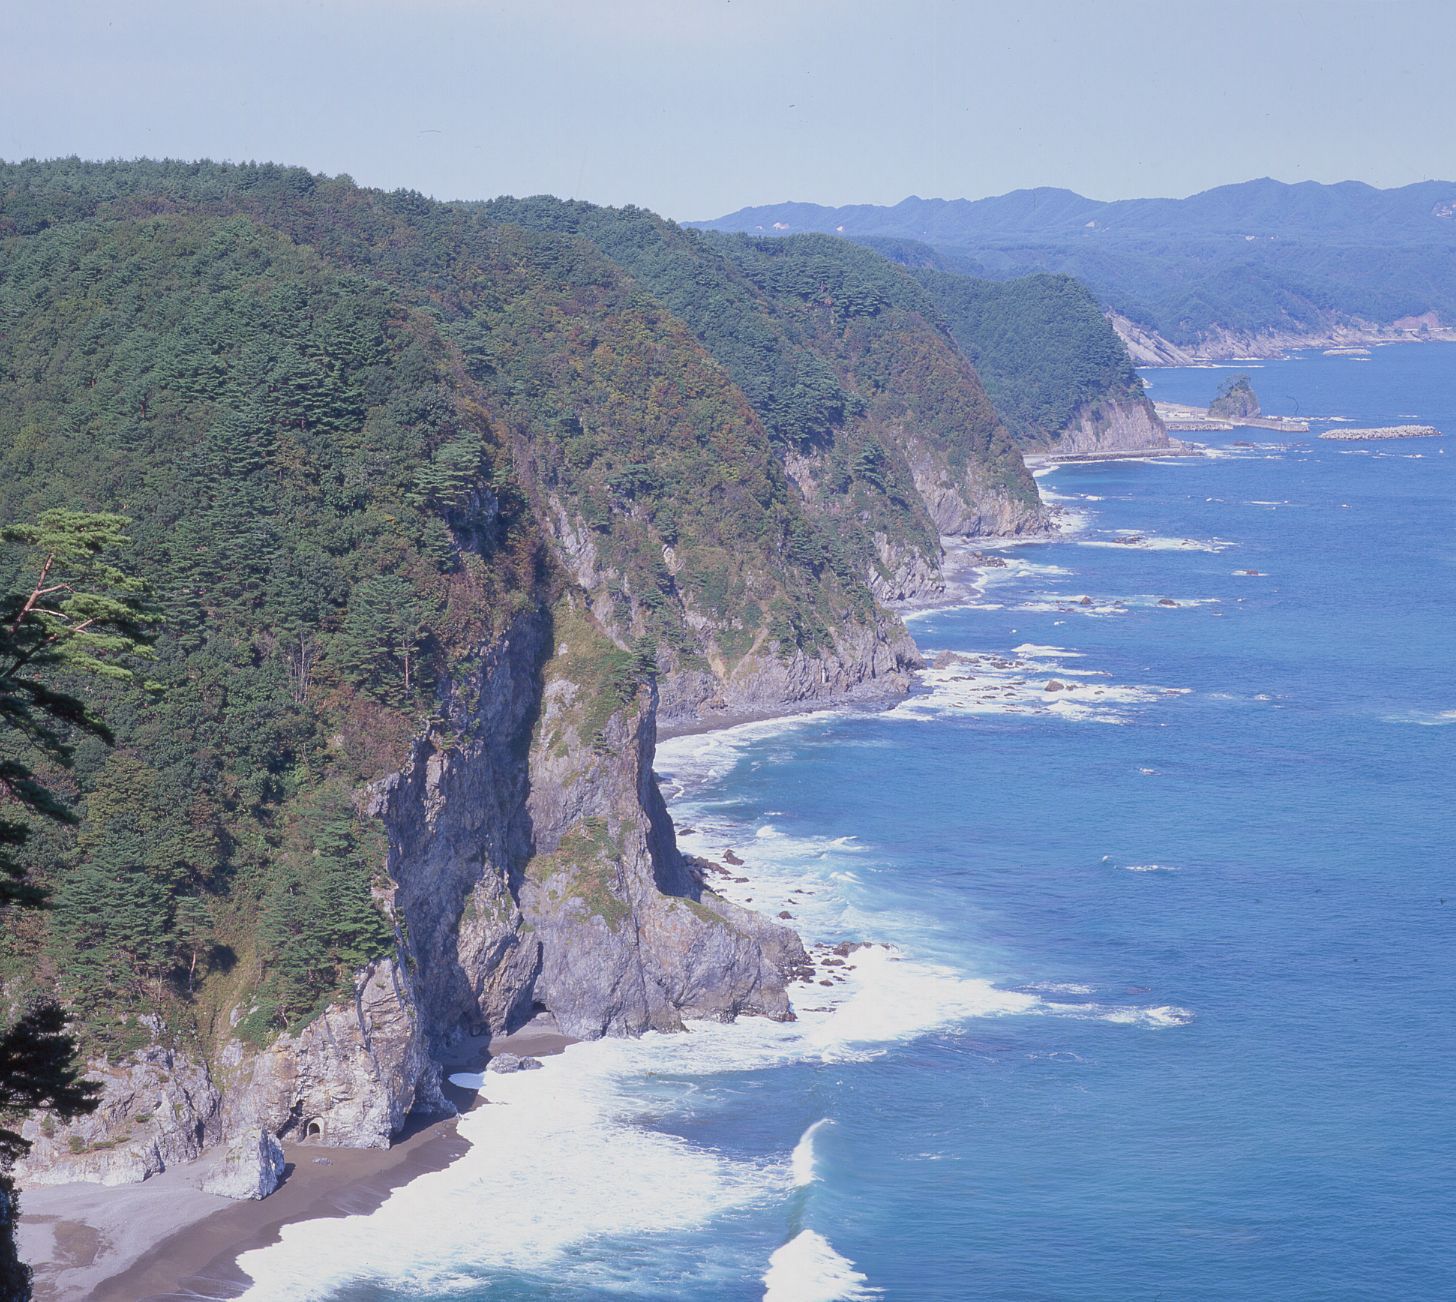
[[1236, 401], [250, 1167], [507, 1062], [1054, 686], [1166, 601]]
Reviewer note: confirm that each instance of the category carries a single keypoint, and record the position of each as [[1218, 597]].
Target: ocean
[[1161, 850]]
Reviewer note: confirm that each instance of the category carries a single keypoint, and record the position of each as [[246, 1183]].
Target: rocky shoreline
[[167, 1237], [1148, 348], [710, 957]]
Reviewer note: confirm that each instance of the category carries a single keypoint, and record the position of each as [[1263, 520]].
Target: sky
[[698, 107]]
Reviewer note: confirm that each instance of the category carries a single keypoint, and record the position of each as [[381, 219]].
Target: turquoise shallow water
[[1170, 1012]]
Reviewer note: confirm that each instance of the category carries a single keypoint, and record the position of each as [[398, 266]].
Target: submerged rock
[[250, 1167]]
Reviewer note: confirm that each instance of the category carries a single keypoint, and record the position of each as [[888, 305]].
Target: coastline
[[78, 1238], [1149, 349]]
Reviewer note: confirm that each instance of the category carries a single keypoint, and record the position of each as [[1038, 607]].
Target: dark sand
[[166, 1239]]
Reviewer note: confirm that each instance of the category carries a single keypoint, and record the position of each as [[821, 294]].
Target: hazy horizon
[[698, 109]]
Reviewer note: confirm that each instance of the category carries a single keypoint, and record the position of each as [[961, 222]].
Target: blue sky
[[696, 107]]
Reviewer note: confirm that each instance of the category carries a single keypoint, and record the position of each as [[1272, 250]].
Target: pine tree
[[383, 633], [81, 615]]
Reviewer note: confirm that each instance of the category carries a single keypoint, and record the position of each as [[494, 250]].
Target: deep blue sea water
[[1170, 1013]]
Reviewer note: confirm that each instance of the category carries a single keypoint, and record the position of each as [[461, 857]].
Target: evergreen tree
[[383, 633], [79, 615], [319, 921]]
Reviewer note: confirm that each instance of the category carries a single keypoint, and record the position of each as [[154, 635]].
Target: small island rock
[[1235, 401]]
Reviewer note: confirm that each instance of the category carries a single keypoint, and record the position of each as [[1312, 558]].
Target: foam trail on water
[[802, 1164], [807, 1269], [1424, 718]]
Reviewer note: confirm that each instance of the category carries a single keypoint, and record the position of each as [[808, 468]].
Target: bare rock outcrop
[[630, 939], [159, 1108], [1125, 424], [348, 1079], [251, 1166]]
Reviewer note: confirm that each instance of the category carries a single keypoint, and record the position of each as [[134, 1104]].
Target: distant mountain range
[[1249, 267]]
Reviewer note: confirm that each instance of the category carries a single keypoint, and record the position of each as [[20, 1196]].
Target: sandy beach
[[166, 1239]]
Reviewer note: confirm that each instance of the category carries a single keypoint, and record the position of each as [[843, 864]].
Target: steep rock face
[[348, 1079], [458, 828], [534, 867], [629, 939], [158, 1108], [906, 575], [867, 657], [906, 560], [963, 504], [864, 663], [1113, 425]]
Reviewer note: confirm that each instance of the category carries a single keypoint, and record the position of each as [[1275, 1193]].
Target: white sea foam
[[802, 1163], [1148, 868], [808, 1269], [1035, 651], [1424, 718], [555, 1159], [1035, 683], [559, 1155], [1057, 603], [1152, 543], [1157, 1018]]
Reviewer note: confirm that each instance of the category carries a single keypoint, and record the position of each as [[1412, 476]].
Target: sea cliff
[[446, 507]]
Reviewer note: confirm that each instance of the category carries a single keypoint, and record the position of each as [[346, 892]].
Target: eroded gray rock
[[251, 1166], [512, 1062]]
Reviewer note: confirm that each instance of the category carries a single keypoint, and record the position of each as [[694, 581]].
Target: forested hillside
[[435, 507], [886, 430], [1040, 344]]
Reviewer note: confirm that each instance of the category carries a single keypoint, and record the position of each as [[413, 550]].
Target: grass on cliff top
[[606, 677], [586, 866]]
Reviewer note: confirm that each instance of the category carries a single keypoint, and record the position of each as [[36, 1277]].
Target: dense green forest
[[1039, 343], [810, 330], [293, 449]]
